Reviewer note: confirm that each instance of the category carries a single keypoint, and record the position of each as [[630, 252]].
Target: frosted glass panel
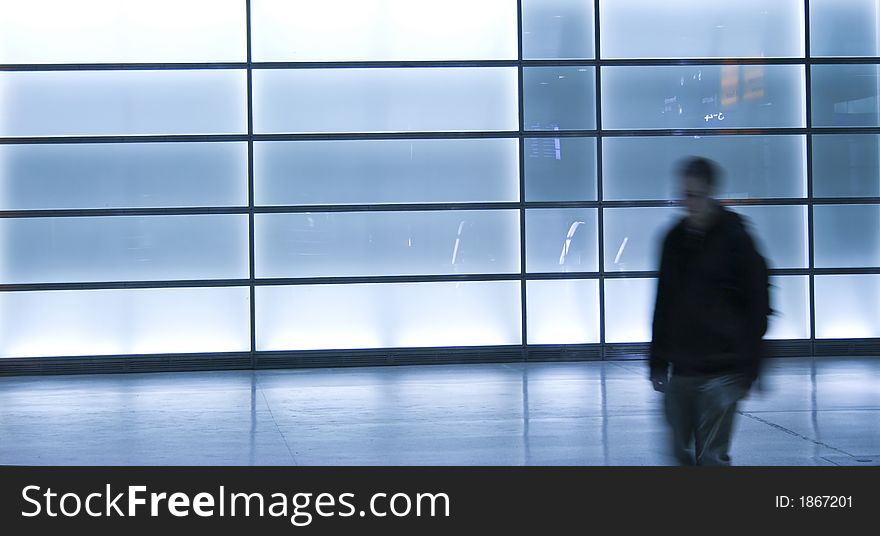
[[559, 98], [846, 306], [560, 169], [61, 103], [383, 30], [847, 236], [707, 96], [846, 165], [754, 166], [562, 312], [558, 29], [693, 29], [779, 232], [634, 237], [120, 248], [629, 309], [386, 171], [844, 28], [562, 240], [790, 300], [387, 243], [309, 317], [102, 175], [130, 31], [845, 95], [385, 100], [130, 321]]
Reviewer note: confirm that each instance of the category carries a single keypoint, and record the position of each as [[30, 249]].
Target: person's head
[[699, 177]]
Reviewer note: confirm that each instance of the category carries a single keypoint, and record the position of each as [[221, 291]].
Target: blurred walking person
[[709, 319]]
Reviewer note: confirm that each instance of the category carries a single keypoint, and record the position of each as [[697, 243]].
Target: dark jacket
[[712, 300]]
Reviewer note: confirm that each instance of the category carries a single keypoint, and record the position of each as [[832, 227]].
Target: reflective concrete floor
[[811, 412]]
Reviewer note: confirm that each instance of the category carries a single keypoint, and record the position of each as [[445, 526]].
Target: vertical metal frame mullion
[[522, 186], [250, 179], [808, 105], [600, 219]]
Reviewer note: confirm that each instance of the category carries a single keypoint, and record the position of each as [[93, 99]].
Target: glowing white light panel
[[129, 321], [388, 315], [562, 311]]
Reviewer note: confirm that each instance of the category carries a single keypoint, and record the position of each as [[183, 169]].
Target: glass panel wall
[[398, 174]]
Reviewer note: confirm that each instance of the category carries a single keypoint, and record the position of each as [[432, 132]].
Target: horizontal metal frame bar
[[392, 356], [389, 279], [365, 136], [396, 64], [417, 207]]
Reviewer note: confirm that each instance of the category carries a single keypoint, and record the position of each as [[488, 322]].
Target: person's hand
[[659, 384]]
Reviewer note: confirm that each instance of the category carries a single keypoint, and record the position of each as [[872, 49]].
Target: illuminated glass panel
[[845, 95], [385, 100], [846, 165], [689, 29], [790, 300], [386, 171], [846, 306], [562, 240], [388, 315], [122, 175], [383, 30], [560, 169], [760, 167], [128, 321], [559, 98], [123, 248], [558, 29], [779, 232], [129, 31], [847, 236], [634, 237], [562, 312], [703, 96], [844, 28], [629, 309], [90, 103], [387, 243]]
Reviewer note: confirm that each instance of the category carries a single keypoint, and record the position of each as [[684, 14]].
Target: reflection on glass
[[91, 103], [417, 99], [779, 232], [129, 321], [123, 248], [558, 29], [845, 95], [844, 28], [847, 236], [703, 96], [846, 306], [689, 29], [634, 236], [130, 31], [790, 300], [123, 175], [559, 98], [386, 171], [388, 315], [629, 309], [562, 240], [387, 243], [560, 169], [754, 166], [383, 30], [846, 165], [562, 312]]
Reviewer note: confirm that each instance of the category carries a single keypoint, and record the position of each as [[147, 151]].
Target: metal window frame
[[524, 352]]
